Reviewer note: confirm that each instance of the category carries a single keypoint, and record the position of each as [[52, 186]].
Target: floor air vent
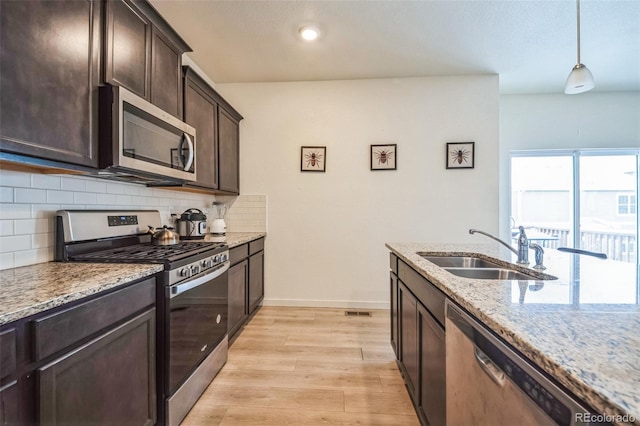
[[357, 313]]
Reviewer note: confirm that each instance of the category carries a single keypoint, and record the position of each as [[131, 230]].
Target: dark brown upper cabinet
[[217, 127], [144, 54], [49, 78]]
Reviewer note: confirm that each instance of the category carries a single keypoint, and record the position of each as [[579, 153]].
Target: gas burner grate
[[148, 252]]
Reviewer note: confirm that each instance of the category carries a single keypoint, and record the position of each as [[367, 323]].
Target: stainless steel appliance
[[192, 224], [489, 383], [192, 295], [140, 142]]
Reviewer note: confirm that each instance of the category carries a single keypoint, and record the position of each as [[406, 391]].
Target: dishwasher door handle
[[489, 367]]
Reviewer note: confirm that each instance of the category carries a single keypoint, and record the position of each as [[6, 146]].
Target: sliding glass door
[[581, 199]]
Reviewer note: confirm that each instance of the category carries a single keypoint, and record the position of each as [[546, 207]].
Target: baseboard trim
[[307, 303]]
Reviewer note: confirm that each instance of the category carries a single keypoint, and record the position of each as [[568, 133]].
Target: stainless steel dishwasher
[[489, 384]]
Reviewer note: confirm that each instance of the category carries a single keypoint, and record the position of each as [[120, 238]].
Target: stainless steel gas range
[[192, 295]]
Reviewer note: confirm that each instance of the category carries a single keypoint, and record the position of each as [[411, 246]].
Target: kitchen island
[[581, 329]]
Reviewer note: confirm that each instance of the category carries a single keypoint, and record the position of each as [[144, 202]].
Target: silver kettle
[[192, 224], [164, 236]]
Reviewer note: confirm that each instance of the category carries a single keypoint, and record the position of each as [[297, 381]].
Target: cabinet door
[[166, 74], [238, 309], [409, 356], [433, 401], [9, 404], [256, 280], [127, 47], [229, 150], [49, 77], [110, 380], [200, 112], [394, 313]]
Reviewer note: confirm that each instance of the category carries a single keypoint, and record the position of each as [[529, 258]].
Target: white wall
[[327, 231], [28, 203], [558, 121]]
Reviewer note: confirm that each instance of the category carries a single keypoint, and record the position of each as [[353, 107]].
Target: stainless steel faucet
[[523, 244]]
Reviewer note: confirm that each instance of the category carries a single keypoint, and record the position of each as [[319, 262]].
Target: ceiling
[[530, 44]]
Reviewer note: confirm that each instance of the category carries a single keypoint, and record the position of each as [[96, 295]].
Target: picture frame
[[460, 155], [383, 157], [313, 159]]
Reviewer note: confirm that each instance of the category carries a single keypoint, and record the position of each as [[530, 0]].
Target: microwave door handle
[[189, 161]]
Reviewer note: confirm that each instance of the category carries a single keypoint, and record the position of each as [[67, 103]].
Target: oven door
[[197, 321]]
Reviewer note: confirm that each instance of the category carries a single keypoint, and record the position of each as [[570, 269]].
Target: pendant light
[[580, 79]]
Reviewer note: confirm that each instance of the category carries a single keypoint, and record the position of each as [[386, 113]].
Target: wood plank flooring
[[308, 366]]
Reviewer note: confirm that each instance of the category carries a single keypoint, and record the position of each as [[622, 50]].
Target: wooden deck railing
[[620, 246]]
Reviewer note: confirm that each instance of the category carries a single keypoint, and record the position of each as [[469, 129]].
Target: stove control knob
[[216, 258], [224, 257], [207, 263], [195, 269], [184, 272]]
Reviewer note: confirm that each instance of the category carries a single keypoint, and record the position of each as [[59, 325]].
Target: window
[[583, 199], [626, 204]]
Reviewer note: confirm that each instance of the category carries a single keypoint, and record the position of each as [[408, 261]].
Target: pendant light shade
[[580, 79]]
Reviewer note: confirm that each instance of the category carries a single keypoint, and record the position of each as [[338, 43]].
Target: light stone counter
[[234, 239], [36, 288], [583, 329]]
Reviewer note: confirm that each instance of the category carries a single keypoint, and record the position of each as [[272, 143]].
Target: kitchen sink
[[490, 274], [461, 262]]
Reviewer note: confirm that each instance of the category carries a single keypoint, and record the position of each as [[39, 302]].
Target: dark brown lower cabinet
[[416, 309], [9, 404], [256, 280], [409, 355], [110, 380], [432, 369], [238, 312]]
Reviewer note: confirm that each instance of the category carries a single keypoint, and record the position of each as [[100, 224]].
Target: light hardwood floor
[[308, 366]]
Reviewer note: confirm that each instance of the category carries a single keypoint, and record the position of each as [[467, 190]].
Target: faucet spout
[[473, 231]]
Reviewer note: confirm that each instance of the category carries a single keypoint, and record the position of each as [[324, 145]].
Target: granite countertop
[[582, 329], [32, 289], [234, 239]]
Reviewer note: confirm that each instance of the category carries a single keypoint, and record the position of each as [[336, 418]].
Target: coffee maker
[[218, 226]]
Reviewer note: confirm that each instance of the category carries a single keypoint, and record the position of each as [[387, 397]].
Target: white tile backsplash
[[28, 203]]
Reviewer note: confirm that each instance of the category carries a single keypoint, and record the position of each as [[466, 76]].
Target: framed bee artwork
[[384, 157], [313, 159], [460, 155]]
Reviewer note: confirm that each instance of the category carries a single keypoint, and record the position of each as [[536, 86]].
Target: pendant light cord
[[578, 13]]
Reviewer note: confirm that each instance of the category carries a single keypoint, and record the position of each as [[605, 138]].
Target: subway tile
[[31, 196], [42, 240], [73, 184], [45, 181], [84, 198], [6, 261], [39, 211], [124, 200], [131, 190], [15, 211], [31, 226], [109, 199], [13, 178], [6, 227], [6, 194], [15, 243], [31, 257], [59, 197], [96, 186], [115, 188]]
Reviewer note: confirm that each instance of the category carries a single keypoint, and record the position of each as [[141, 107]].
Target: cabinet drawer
[[432, 298], [393, 263], [7, 352], [256, 246], [238, 254], [61, 329]]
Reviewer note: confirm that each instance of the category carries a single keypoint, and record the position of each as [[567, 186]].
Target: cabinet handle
[[489, 367], [189, 161]]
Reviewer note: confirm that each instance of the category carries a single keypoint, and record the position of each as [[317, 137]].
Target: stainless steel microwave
[[140, 142]]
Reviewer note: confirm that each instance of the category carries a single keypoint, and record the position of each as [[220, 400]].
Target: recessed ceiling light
[[309, 33]]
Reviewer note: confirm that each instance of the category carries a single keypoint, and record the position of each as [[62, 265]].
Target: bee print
[[383, 156], [459, 155], [313, 159]]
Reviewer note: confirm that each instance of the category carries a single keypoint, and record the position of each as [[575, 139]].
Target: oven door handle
[[176, 290]]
